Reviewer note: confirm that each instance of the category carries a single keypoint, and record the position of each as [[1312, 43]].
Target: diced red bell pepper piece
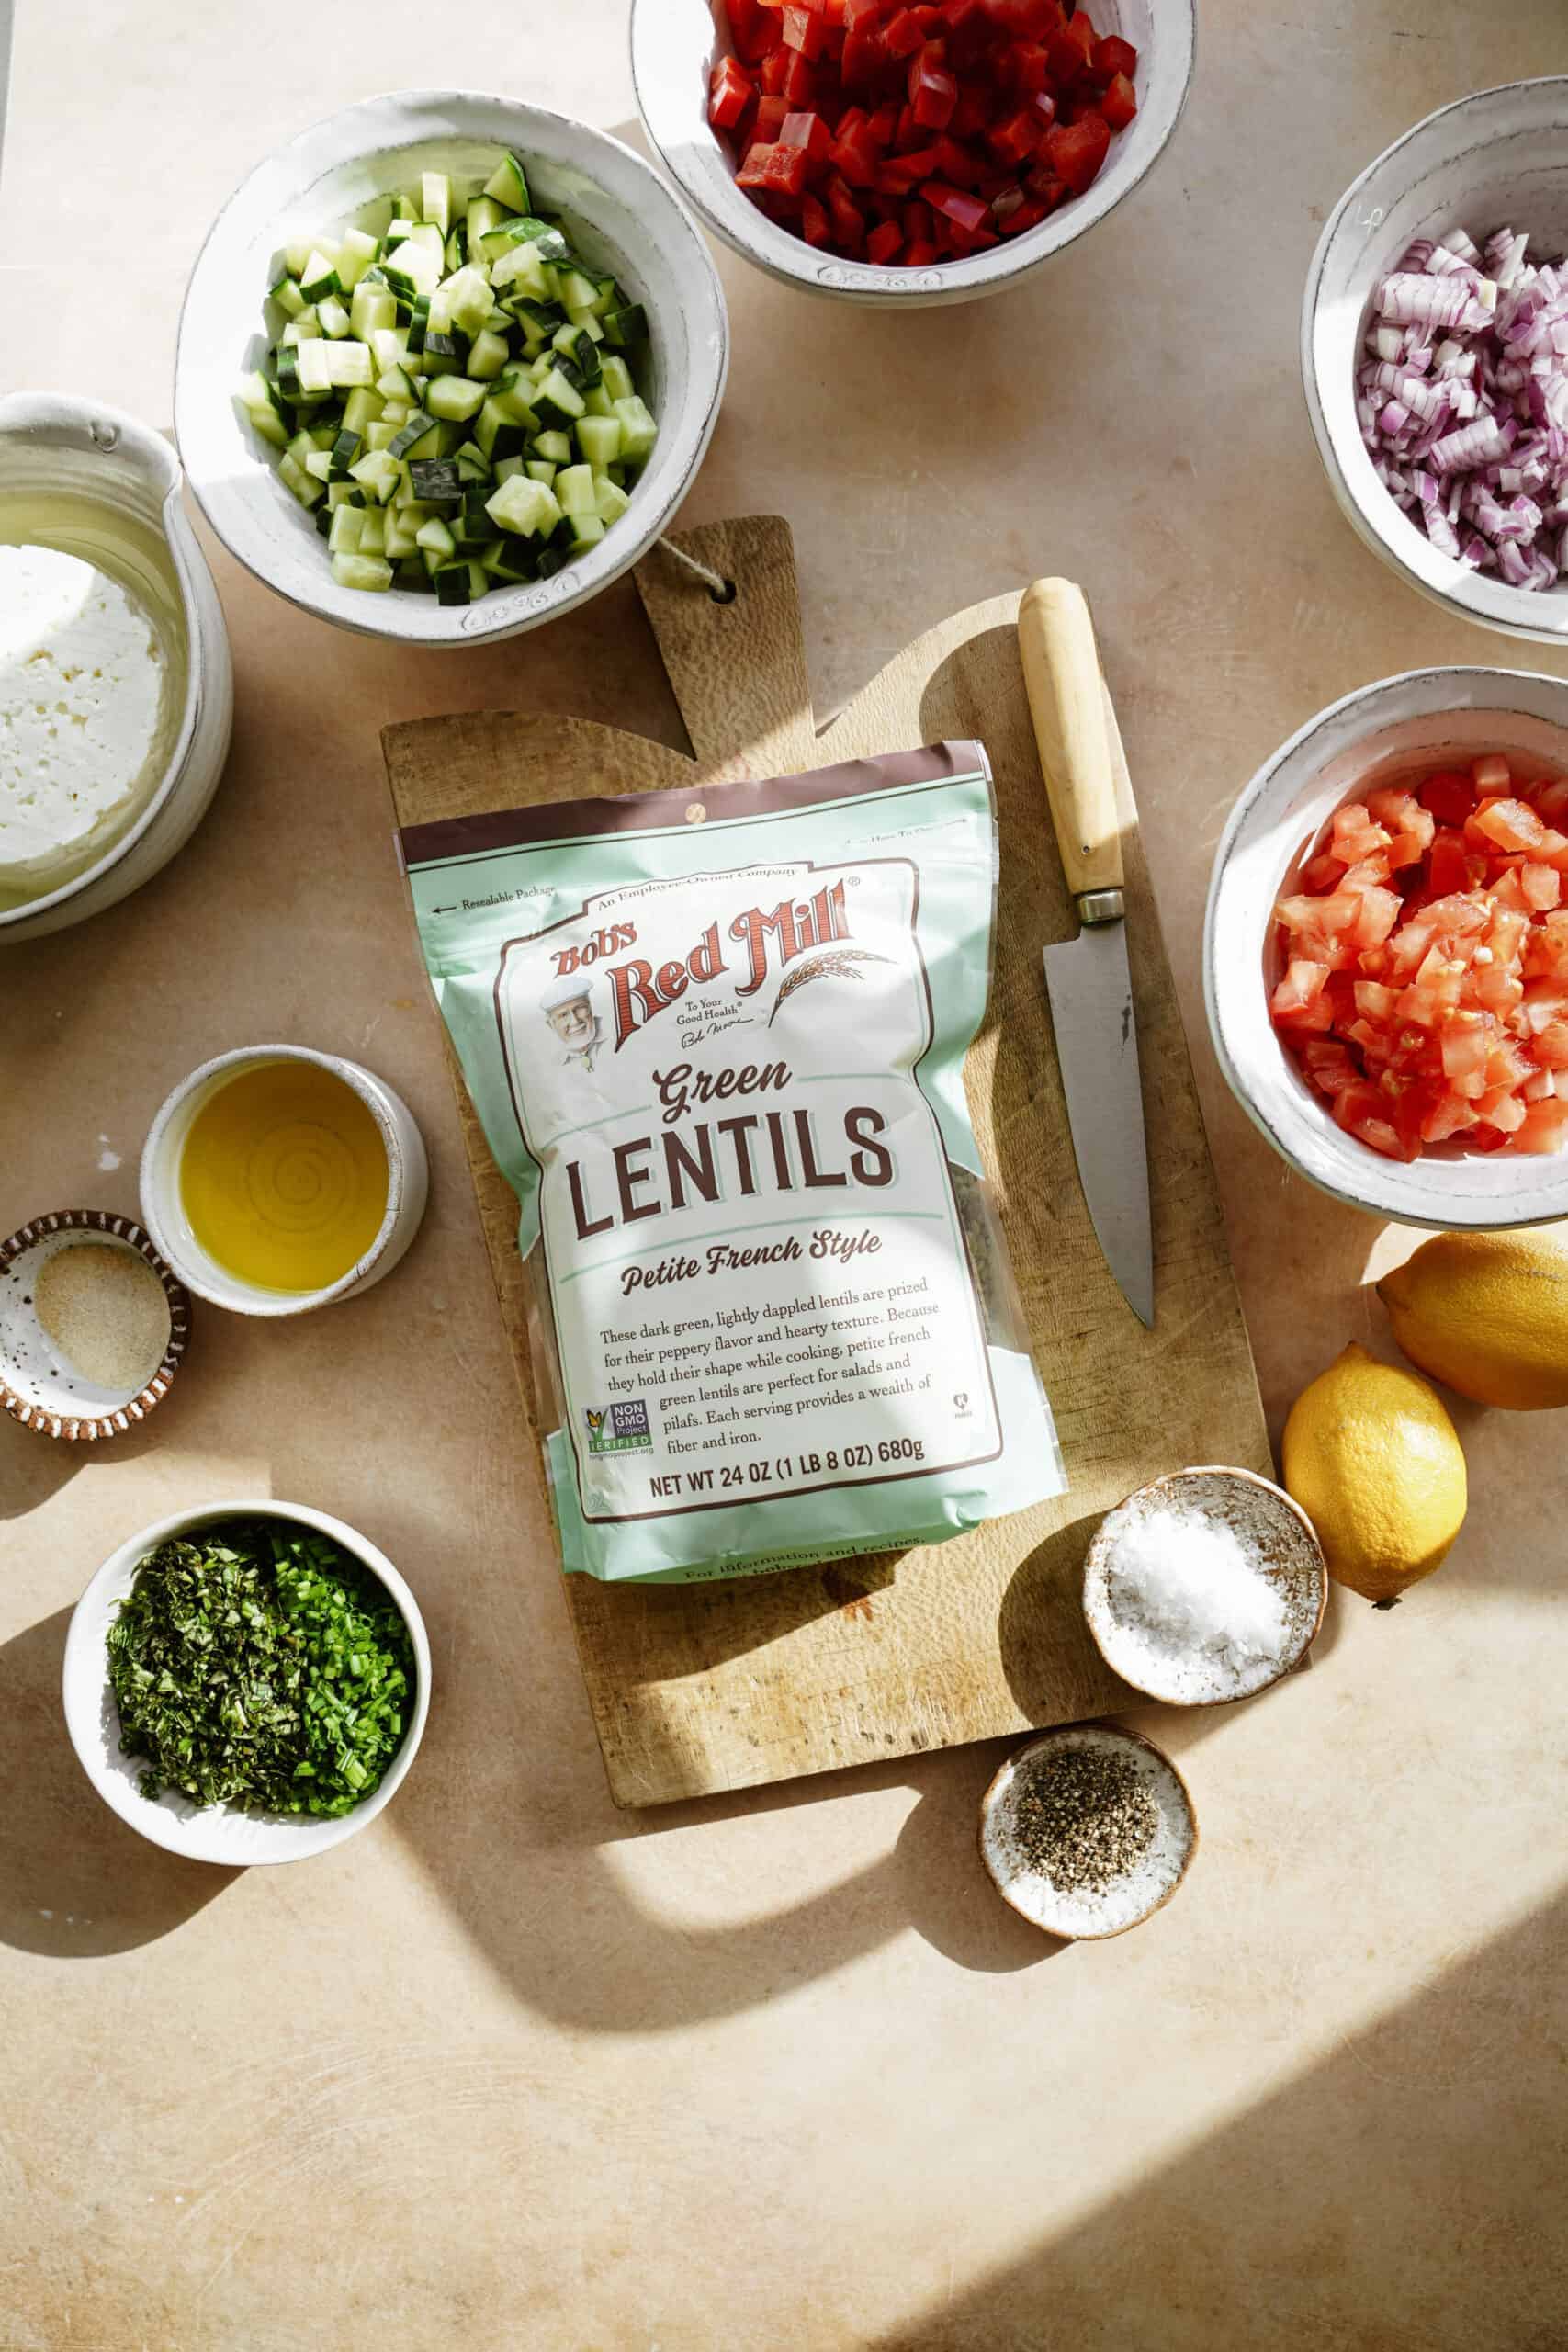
[[919, 254], [883, 241], [802, 29], [799, 79], [810, 134], [775, 170], [729, 94], [972, 113], [854, 154], [1120, 103], [814, 225], [1028, 67], [933, 91], [771, 74], [849, 226], [1074, 150], [903, 35], [1028, 215], [1113, 56], [1017, 135], [882, 126], [955, 163], [1071, 50], [771, 115], [863, 53], [964, 212]]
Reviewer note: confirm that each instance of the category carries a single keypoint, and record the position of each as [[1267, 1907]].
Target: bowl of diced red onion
[[1385, 956], [903, 155], [1435, 356]]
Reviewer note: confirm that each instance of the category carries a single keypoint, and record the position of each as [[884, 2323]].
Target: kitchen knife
[[1087, 979]]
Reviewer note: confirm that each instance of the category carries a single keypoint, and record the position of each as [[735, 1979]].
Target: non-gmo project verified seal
[[624, 1429]]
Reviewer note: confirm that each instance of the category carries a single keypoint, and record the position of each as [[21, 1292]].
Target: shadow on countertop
[[75, 1882]]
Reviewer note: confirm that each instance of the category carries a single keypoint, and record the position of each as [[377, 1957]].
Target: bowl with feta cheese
[[116, 693], [448, 365]]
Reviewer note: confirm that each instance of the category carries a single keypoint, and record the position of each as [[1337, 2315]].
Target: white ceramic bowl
[[624, 216], [1496, 160], [1422, 720], [408, 1184], [216, 1833], [676, 44], [51, 446]]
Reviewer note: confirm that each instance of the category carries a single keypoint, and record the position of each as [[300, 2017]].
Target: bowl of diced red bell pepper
[[908, 150], [1386, 952]]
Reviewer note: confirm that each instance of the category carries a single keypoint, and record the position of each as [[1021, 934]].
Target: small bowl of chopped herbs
[[247, 1683]]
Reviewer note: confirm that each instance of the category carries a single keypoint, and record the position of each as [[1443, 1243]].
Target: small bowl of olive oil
[[277, 1179]]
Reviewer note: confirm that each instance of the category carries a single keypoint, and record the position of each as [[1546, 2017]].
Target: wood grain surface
[[708, 1687]]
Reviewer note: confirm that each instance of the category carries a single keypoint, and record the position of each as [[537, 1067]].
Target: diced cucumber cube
[[454, 585], [524, 506], [318, 277], [556, 402], [334, 319], [639, 431], [296, 256], [610, 498], [389, 348], [599, 439], [463, 300], [509, 399], [347, 523], [356, 253], [326, 366], [436, 200], [626, 326], [361, 409], [256, 401], [415, 261], [484, 214], [587, 531], [521, 269], [373, 531], [308, 491], [376, 474], [362, 572], [319, 466], [540, 469], [574, 490], [578, 293], [617, 378], [287, 296], [556, 447], [455, 396], [487, 354], [436, 538], [508, 183], [373, 309]]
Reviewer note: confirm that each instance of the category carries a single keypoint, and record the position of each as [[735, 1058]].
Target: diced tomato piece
[[1542, 885], [1449, 867], [1511, 824], [1449, 796], [1362, 1110], [1545, 1128], [1113, 56], [1303, 985], [1120, 103], [1466, 1045], [1491, 775], [1076, 151], [1551, 799]]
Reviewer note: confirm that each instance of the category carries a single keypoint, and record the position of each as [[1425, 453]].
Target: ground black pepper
[[1085, 1818]]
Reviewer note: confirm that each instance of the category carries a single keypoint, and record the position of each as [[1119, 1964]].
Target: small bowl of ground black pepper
[[247, 1682], [1086, 1831], [92, 1325]]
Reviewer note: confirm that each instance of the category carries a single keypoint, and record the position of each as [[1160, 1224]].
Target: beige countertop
[[514, 2069]]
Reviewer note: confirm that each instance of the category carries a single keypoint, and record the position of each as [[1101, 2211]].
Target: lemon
[[1373, 1459], [1488, 1312]]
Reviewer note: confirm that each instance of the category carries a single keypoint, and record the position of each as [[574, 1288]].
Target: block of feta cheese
[[85, 731]]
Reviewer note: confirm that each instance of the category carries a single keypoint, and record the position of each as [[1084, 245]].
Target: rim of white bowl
[[1540, 618], [688, 147], [46, 415], [1386, 1188], [154, 1192], [686, 428], [197, 1832]]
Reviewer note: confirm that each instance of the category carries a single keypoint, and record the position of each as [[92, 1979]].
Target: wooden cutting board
[[716, 1686]]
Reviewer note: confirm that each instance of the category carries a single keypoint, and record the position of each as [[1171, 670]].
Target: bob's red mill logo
[[768, 939]]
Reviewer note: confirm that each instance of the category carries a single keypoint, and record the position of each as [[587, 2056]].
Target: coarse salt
[[1185, 1590]]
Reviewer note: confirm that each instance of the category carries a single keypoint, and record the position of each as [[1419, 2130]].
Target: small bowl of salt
[[1205, 1585], [92, 1325]]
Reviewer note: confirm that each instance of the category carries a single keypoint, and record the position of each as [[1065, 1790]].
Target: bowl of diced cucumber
[[448, 365]]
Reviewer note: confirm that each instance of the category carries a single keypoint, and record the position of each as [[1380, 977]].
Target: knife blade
[[1087, 979]]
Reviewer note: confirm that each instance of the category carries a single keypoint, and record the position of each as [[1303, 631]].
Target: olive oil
[[284, 1177]]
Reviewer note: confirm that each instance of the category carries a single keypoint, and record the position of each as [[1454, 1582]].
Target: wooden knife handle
[[1066, 701]]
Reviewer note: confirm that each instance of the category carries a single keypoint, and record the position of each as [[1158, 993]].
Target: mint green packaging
[[716, 1046]]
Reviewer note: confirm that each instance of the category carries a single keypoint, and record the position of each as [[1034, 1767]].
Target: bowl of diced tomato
[[1386, 948], [895, 153]]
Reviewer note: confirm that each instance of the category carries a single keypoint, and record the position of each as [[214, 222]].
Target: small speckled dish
[[1125, 1903], [38, 1387], [1285, 1546]]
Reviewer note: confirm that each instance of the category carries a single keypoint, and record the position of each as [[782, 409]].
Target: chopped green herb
[[260, 1666]]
